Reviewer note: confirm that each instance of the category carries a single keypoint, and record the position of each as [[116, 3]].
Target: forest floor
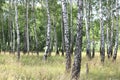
[[32, 67]]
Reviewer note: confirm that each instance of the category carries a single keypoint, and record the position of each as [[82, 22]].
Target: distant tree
[[78, 47]]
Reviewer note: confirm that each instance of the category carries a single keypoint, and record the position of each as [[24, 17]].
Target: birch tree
[[87, 24], [47, 49], [66, 35], [102, 43], [10, 25], [92, 27], [62, 32], [26, 28], [71, 28], [17, 29], [55, 37], [78, 47], [117, 32], [35, 30]]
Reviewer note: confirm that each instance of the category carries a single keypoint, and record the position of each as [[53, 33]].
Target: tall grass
[[32, 67]]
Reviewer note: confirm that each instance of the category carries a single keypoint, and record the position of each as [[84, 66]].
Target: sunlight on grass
[[32, 67]]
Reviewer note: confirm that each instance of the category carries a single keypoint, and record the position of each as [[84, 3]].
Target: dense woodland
[[66, 27]]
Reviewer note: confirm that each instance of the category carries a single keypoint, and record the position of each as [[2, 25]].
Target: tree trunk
[[3, 35], [93, 42], [78, 48], [55, 38], [13, 31], [26, 27], [102, 43], [111, 37], [87, 23], [71, 29], [35, 30], [47, 50], [66, 36], [17, 29], [117, 33], [62, 31], [10, 25], [108, 28]]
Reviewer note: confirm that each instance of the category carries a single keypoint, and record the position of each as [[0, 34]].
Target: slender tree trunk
[[66, 35], [87, 22], [10, 25], [13, 31], [102, 43], [63, 39], [26, 27], [35, 30], [3, 35], [17, 29], [71, 29], [108, 29], [117, 32], [78, 48], [55, 38], [93, 42], [111, 37], [47, 50], [107, 39]]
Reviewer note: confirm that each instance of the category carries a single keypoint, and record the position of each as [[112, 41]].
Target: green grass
[[32, 67]]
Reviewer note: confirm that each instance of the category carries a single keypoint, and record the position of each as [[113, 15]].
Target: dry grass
[[32, 67]]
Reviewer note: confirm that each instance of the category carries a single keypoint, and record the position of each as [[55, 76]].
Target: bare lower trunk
[[10, 25], [109, 33], [71, 29], [3, 35], [102, 43], [117, 32], [66, 35], [13, 31], [55, 38], [111, 37], [35, 30], [26, 27], [62, 31], [87, 23], [78, 48], [17, 30], [47, 50], [93, 41]]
